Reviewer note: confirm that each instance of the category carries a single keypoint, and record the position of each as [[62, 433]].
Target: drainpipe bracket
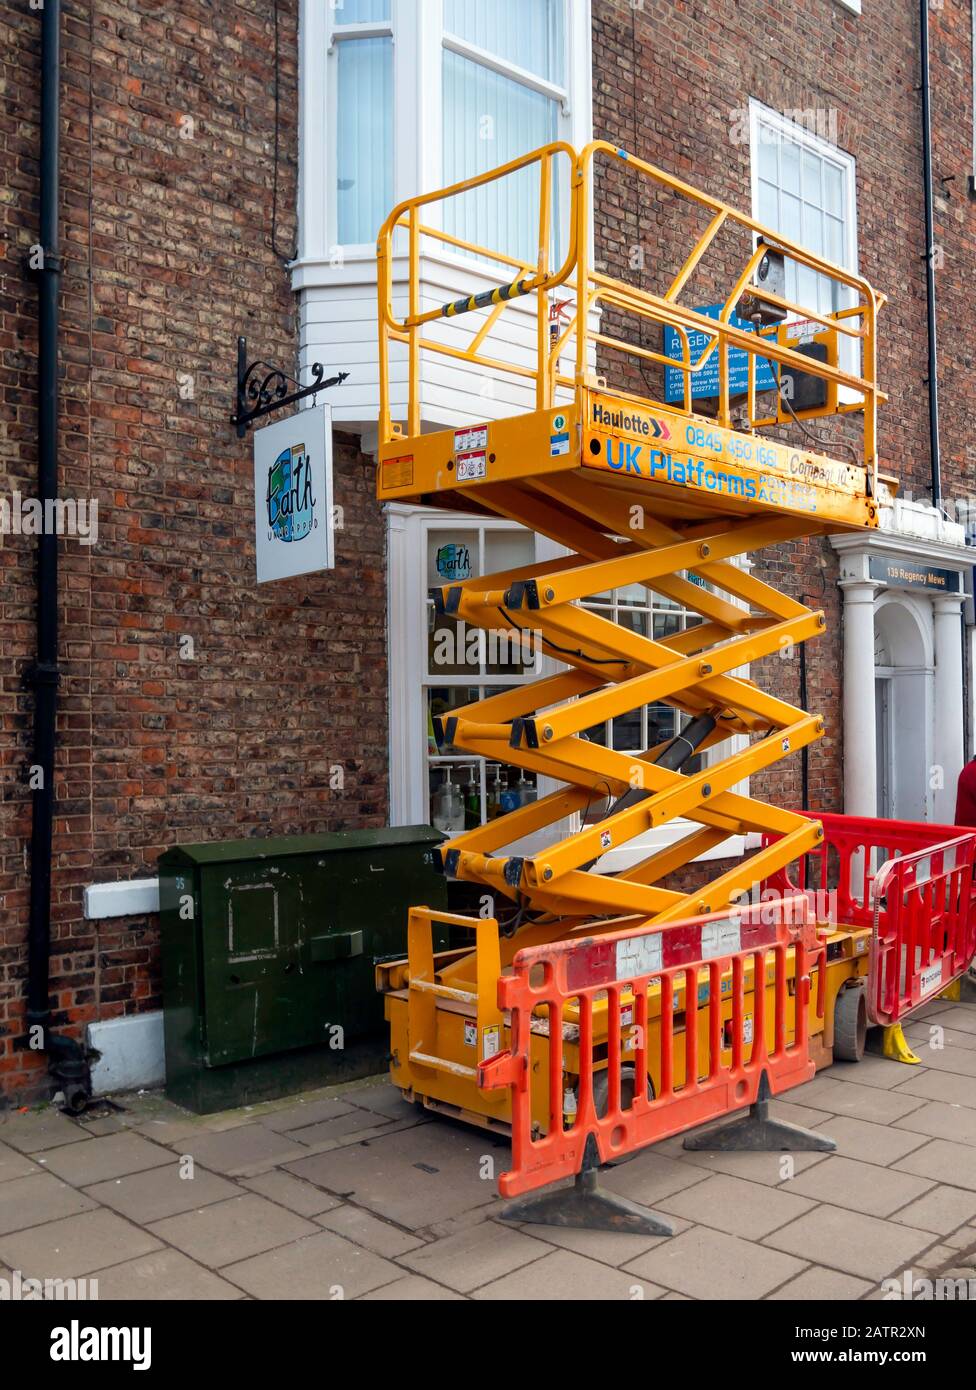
[[41, 673], [51, 264]]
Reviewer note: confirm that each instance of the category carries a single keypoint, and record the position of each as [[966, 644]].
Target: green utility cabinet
[[268, 949]]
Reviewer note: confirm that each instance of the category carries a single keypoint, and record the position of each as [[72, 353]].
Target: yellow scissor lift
[[637, 492]]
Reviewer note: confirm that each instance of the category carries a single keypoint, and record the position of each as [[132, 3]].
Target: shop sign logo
[[290, 499]]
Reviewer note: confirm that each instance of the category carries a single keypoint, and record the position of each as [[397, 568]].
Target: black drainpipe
[[67, 1059], [933, 383]]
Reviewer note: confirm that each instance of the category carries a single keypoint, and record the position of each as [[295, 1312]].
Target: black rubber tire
[[601, 1089], [850, 1024]]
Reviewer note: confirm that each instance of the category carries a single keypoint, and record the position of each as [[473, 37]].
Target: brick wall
[[167, 200], [672, 82]]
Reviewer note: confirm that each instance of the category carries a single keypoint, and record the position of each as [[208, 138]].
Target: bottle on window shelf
[[472, 802], [447, 806], [526, 791], [493, 808]]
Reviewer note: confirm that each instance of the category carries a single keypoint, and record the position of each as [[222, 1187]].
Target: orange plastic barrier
[[912, 884], [686, 963]]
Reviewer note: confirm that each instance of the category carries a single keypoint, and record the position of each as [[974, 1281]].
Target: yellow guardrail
[[592, 289]]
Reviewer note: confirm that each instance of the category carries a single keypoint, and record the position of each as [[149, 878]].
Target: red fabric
[[966, 796]]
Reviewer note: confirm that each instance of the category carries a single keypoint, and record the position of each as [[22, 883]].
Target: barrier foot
[[894, 1044], [587, 1207], [953, 992], [757, 1133]]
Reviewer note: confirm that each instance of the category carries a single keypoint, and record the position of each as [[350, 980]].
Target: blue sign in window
[[705, 383]]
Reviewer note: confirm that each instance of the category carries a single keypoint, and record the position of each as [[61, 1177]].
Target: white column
[[860, 756], [949, 740]]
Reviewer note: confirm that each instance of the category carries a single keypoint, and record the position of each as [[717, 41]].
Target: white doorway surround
[[904, 588]]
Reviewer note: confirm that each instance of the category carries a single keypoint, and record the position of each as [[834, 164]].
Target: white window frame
[[407, 592], [853, 5], [419, 43], [760, 116]]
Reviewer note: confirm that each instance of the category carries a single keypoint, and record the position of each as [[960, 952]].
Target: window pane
[[768, 155], [812, 191], [835, 240], [790, 224], [833, 189], [364, 138], [360, 11], [768, 204], [528, 33], [789, 163], [488, 120]]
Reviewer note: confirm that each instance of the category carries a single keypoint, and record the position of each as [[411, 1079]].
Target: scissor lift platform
[[637, 491]]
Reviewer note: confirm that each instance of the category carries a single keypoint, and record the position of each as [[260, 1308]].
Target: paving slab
[[850, 1241], [959, 1016], [15, 1165], [164, 1275], [169, 1131], [323, 1266], [412, 1289], [880, 1072], [959, 1060], [941, 1085], [850, 1098], [78, 1245], [101, 1159], [37, 1198], [931, 1036], [387, 1100], [417, 1176], [736, 1206], [35, 1130], [942, 1121], [940, 1160], [650, 1177], [614, 1248], [353, 1122], [369, 1231], [771, 1169], [870, 1143], [246, 1149], [160, 1192], [564, 1276], [708, 1264], [305, 1113], [820, 1285], [291, 1192], [226, 1232], [476, 1256], [860, 1187], [964, 1238]]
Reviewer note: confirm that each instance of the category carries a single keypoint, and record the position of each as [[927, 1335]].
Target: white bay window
[[401, 97]]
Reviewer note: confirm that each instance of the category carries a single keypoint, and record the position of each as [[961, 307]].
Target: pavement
[[352, 1193]]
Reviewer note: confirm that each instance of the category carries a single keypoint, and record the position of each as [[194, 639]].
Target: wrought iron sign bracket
[[262, 388]]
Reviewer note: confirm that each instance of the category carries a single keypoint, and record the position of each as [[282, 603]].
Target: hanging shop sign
[[293, 496], [914, 574]]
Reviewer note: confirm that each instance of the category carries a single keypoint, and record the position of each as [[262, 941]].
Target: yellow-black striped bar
[[487, 298]]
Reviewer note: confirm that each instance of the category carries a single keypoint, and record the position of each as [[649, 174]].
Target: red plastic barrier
[[924, 924], [545, 979], [912, 884]]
